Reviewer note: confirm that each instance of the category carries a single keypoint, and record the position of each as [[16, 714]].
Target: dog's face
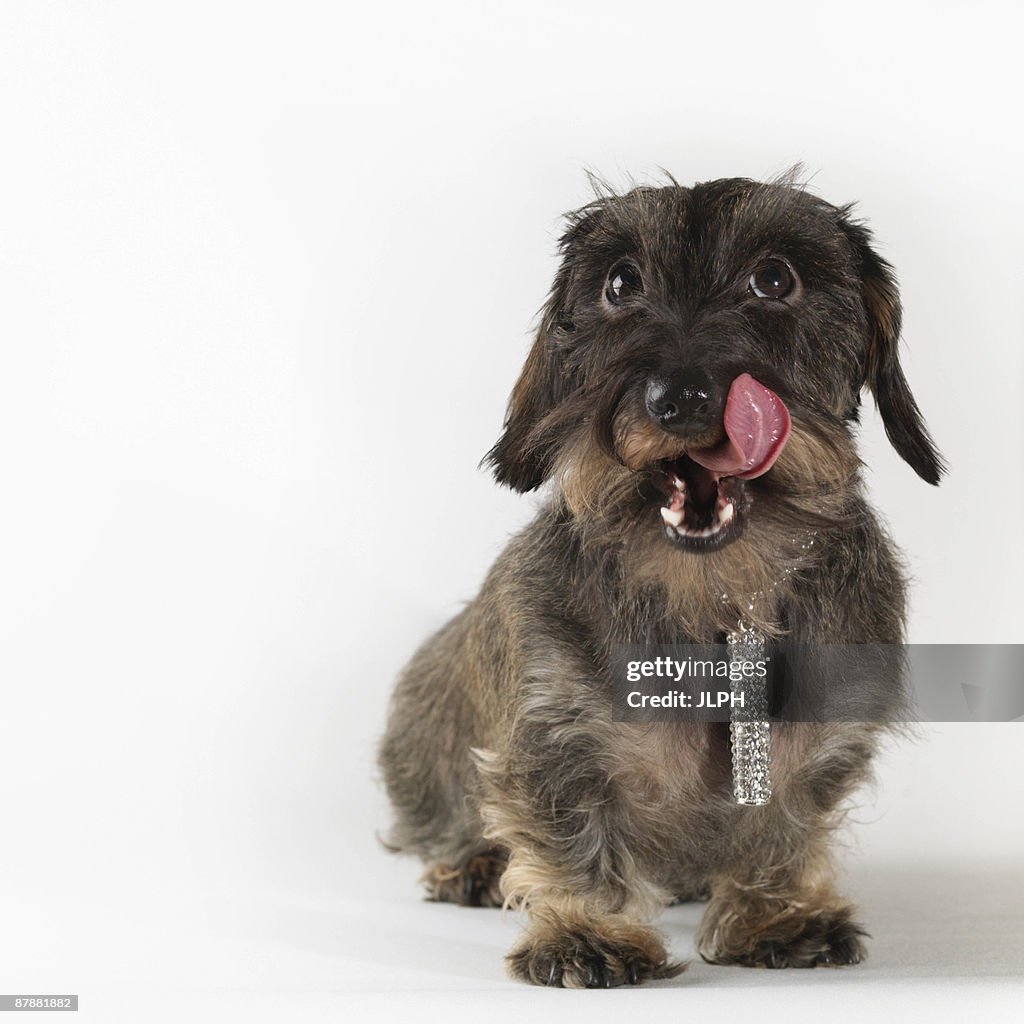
[[700, 362]]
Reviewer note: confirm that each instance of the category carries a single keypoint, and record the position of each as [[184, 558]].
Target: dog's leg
[[584, 931], [573, 864], [785, 916], [774, 903]]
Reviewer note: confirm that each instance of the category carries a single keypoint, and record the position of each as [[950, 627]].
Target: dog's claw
[[824, 941], [580, 960]]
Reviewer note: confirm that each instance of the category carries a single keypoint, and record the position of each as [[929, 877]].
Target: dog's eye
[[623, 283], [774, 280]]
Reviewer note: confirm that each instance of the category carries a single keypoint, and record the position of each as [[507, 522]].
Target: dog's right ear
[[522, 459], [525, 453]]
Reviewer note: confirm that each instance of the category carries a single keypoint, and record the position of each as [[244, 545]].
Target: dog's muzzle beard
[[702, 511]]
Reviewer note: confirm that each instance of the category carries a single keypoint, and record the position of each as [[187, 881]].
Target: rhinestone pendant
[[749, 729]]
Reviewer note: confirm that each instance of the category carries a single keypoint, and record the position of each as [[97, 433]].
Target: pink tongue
[[756, 424]]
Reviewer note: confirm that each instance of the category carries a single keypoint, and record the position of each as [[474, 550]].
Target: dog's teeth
[[674, 517], [678, 484], [725, 512]]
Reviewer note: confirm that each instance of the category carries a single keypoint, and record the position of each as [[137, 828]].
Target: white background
[[267, 274]]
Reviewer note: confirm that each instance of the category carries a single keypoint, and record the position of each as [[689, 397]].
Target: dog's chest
[[689, 765]]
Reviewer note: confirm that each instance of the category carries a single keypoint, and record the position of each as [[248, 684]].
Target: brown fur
[[501, 751]]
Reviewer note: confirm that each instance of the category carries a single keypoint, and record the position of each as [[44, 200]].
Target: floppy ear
[[525, 453], [523, 456], [883, 374]]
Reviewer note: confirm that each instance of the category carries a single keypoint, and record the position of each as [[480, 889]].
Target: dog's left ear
[[522, 459], [904, 424]]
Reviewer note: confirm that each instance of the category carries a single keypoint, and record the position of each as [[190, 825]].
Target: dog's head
[[700, 361]]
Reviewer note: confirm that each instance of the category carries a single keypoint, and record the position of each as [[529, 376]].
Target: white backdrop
[[267, 274]]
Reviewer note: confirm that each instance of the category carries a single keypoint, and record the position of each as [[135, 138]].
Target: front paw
[[577, 957], [825, 939]]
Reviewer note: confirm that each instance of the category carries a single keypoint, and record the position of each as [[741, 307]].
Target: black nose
[[683, 402]]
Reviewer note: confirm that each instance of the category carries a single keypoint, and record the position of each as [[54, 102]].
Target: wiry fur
[[501, 742]]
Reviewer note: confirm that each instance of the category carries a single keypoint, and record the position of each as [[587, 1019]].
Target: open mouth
[[706, 502], [704, 511]]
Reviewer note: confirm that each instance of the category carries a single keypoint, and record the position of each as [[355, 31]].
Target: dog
[[690, 400]]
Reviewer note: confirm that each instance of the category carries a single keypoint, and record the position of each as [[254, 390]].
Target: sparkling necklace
[[749, 729]]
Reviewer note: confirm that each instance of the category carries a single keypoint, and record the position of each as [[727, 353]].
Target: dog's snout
[[683, 402]]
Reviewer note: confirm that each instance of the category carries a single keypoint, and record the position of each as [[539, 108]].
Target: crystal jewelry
[[749, 729]]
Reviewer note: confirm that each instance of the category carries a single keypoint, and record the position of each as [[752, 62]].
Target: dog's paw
[[575, 958], [698, 892], [475, 884], [825, 940]]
